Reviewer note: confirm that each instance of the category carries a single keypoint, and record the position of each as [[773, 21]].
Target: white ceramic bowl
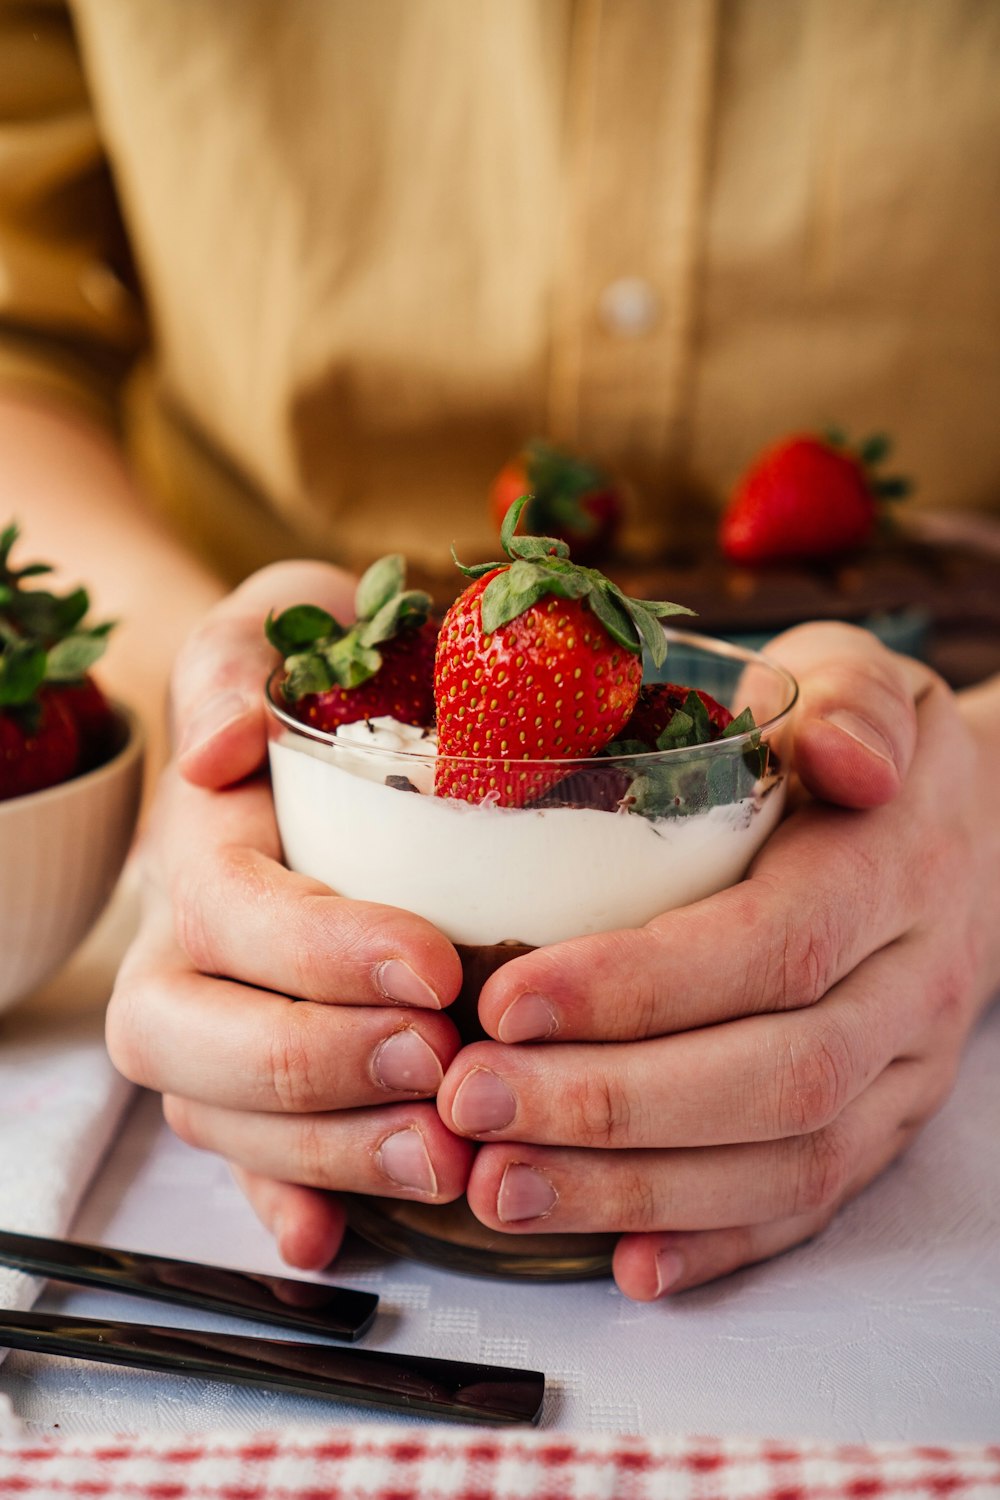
[[61, 852]]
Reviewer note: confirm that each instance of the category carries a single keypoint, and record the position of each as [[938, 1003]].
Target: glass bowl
[[599, 844]]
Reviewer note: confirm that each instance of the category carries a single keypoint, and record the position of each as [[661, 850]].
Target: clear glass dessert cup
[[599, 844]]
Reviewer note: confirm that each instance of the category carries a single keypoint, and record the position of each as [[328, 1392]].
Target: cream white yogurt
[[486, 874]]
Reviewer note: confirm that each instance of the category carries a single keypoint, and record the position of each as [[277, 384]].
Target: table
[[886, 1328]]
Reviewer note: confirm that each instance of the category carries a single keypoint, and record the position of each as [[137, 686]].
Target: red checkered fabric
[[437, 1463]]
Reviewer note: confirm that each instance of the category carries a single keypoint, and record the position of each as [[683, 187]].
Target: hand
[[768, 1051], [288, 1029]]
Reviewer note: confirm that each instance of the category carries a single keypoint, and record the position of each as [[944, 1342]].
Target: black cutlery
[[400, 1382], [335, 1312]]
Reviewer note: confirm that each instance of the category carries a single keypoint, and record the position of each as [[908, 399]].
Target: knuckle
[[814, 1083], [823, 1172], [952, 989], [600, 1111], [638, 1205], [312, 1152], [290, 1057], [192, 919], [225, 879], [805, 960]]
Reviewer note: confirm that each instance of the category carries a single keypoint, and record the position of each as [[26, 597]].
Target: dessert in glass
[[506, 852]]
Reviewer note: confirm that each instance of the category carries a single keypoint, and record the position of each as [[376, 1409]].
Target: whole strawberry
[[807, 497], [538, 660], [381, 665], [570, 499]]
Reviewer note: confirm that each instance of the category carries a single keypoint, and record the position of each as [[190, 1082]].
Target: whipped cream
[[486, 874]]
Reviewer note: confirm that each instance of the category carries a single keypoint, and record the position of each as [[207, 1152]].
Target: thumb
[[854, 727], [217, 714]]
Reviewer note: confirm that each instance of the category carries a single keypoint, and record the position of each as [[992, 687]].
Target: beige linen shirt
[[377, 243]]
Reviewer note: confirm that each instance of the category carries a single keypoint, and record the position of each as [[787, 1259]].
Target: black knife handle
[[309, 1306], [400, 1382]]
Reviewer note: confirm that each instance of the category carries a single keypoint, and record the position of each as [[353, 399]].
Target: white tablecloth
[[887, 1328]]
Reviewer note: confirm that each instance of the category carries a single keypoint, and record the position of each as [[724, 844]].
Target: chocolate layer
[[478, 963]]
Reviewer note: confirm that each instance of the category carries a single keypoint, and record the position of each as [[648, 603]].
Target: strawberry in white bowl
[[70, 776]]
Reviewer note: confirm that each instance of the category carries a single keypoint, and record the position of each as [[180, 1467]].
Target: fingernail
[[528, 1019], [483, 1102], [669, 1270], [403, 1158], [406, 1063], [525, 1193], [397, 981], [211, 718], [864, 733]]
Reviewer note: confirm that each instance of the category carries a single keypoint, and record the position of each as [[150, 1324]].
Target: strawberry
[[93, 716], [570, 499], [54, 719], [39, 746], [671, 717], [538, 659], [660, 702], [382, 665], [806, 497]]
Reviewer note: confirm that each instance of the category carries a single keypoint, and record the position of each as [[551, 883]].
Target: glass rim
[[707, 644]]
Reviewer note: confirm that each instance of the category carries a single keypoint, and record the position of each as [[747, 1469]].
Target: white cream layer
[[488, 874]]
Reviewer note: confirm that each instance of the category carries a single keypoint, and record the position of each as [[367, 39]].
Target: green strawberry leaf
[[351, 662], [401, 611], [379, 584], [8, 537], [678, 733], [556, 476], [474, 570], [305, 674], [520, 586], [73, 656], [22, 672], [299, 626], [742, 724], [893, 487], [529, 547], [875, 448]]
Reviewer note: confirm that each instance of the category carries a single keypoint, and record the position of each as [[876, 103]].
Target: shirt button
[[629, 306]]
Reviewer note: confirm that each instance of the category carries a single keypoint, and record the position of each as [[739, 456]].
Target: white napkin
[[60, 1103]]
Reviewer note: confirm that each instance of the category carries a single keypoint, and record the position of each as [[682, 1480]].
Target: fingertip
[[650, 1267], [224, 742], [308, 1225], [855, 724], [310, 1230], [846, 758]]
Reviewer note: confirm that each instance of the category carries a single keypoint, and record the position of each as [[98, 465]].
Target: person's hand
[[767, 1051], [291, 1030]]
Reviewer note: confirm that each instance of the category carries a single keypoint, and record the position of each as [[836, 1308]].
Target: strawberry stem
[[539, 566]]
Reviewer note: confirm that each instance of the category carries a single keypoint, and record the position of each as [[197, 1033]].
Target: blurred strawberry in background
[[571, 499]]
